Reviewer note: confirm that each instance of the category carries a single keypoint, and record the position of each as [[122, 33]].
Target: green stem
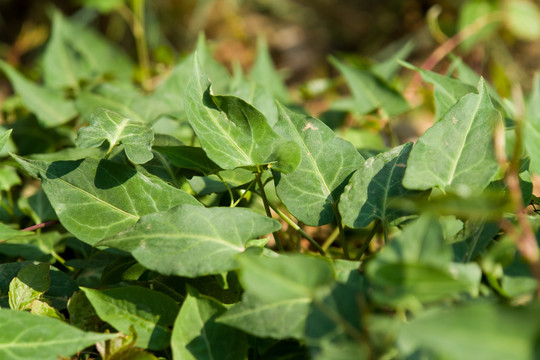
[[370, 237], [343, 240], [299, 229], [228, 189], [267, 208], [244, 194], [330, 240]]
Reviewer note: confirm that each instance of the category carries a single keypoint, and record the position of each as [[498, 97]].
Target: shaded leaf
[[26, 336], [457, 153], [196, 334], [234, 133], [477, 330], [532, 127], [311, 192], [95, 199], [373, 185], [192, 241], [108, 125], [151, 313], [278, 294], [49, 105], [29, 285], [189, 157]]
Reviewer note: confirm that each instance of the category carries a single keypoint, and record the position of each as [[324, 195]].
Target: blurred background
[[300, 33]]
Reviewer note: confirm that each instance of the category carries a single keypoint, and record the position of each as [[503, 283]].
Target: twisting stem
[[39, 226], [299, 229], [267, 208], [244, 194]]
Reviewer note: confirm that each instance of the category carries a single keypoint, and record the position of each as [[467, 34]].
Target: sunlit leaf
[[108, 125], [311, 192], [191, 240], [30, 337], [457, 153], [95, 199]]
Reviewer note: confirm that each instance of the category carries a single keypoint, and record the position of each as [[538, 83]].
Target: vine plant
[[137, 224]]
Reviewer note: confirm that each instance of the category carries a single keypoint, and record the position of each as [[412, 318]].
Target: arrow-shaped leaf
[[95, 199], [311, 192], [372, 186], [30, 337], [234, 133], [108, 125], [457, 152], [191, 240], [49, 105]]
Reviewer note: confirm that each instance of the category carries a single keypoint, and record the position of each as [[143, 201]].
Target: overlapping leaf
[[192, 241], [234, 133], [95, 199], [457, 153], [108, 125], [373, 186], [371, 92], [24, 336], [49, 105], [197, 335], [311, 192], [447, 91], [151, 313], [278, 294], [416, 268], [532, 127]]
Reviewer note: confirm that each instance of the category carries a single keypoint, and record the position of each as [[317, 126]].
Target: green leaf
[[477, 331], [7, 232], [264, 73], [327, 162], [150, 312], [447, 91], [68, 59], [234, 133], [108, 125], [258, 96], [278, 294], [192, 241], [532, 127], [197, 335], [457, 153], [49, 105], [371, 92], [522, 18], [373, 185], [104, 6], [41, 308], [8, 178], [82, 314], [4, 138], [29, 285], [189, 157], [30, 337], [416, 268], [95, 199], [172, 91]]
